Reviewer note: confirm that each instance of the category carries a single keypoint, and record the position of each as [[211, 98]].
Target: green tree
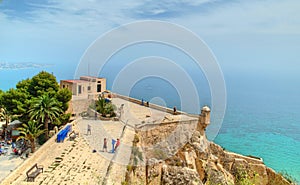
[[64, 96], [30, 132], [44, 109], [100, 104], [5, 115], [62, 119], [24, 85], [109, 108], [42, 83], [15, 101], [104, 107]]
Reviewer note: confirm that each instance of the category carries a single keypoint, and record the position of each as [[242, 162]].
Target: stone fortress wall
[[178, 152]]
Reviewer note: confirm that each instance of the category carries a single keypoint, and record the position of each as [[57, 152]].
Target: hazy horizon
[[256, 44]]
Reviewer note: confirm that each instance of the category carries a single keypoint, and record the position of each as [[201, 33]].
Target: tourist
[[15, 151], [89, 129], [13, 145], [117, 144], [105, 145], [113, 145], [174, 110]]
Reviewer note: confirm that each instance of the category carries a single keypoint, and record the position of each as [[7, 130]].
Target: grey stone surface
[[8, 163]]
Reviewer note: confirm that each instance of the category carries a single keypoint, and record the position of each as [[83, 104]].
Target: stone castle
[[157, 147], [196, 161]]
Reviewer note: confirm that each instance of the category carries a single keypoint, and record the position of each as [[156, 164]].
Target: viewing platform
[[82, 160]]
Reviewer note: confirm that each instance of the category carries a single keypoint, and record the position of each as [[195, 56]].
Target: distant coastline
[[23, 65]]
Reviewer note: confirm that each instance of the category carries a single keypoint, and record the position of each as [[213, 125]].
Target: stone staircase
[[74, 166]]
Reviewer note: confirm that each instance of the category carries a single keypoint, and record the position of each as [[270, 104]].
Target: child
[[105, 145]]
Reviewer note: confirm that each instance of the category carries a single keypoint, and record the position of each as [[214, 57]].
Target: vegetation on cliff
[[199, 161]]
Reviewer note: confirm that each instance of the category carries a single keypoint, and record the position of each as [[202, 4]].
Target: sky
[[255, 42], [257, 39]]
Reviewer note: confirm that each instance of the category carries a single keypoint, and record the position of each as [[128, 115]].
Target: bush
[[242, 177], [42, 139], [159, 154], [105, 107], [288, 177]]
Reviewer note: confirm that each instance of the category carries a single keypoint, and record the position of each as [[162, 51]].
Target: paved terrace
[[74, 162], [8, 163]]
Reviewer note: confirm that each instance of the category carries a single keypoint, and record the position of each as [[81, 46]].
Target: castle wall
[[166, 138]]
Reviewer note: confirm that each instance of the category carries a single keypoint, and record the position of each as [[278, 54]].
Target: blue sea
[[261, 119], [262, 116]]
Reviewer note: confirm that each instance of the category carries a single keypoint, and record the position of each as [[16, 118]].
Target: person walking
[[105, 145], [113, 145], [89, 129], [117, 144]]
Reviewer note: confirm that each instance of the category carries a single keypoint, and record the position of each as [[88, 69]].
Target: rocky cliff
[[197, 161]]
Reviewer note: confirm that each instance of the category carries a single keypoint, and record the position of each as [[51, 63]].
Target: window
[[99, 88], [79, 89], [63, 86], [89, 88]]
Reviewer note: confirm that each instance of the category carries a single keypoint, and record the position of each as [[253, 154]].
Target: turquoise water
[[261, 119], [271, 136]]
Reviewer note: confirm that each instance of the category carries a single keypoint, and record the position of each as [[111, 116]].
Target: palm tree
[[104, 107], [30, 132], [100, 104], [44, 109], [5, 115]]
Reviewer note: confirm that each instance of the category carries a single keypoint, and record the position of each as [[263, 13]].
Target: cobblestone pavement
[[74, 162], [110, 130], [9, 162], [70, 162]]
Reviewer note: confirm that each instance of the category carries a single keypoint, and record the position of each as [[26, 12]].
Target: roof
[[74, 81], [15, 122], [91, 77], [206, 108]]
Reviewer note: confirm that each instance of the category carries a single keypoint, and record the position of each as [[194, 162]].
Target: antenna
[[88, 68]]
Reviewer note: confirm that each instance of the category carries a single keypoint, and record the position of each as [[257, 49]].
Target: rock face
[[200, 161], [179, 175]]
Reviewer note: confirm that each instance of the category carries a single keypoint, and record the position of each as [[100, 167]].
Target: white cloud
[[257, 17], [205, 16]]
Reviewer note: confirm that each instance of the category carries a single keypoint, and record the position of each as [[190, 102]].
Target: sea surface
[[262, 116], [261, 119]]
